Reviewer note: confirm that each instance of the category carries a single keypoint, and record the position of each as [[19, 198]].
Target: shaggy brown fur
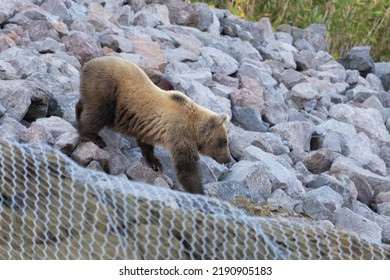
[[118, 94]]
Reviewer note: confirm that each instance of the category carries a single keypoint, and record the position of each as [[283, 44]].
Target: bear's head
[[214, 141]]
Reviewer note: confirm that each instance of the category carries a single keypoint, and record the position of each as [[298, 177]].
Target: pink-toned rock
[[6, 42], [78, 44], [244, 97], [152, 58]]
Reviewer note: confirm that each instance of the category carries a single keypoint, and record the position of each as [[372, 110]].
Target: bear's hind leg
[[148, 153]]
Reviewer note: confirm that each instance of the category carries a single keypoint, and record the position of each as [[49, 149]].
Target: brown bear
[[116, 93]]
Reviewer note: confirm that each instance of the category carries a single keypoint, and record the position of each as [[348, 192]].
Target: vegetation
[[349, 22]]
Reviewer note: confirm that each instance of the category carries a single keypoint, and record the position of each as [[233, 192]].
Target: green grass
[[349, 22]]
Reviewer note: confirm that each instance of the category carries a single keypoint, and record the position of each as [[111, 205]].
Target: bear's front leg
[[185, 161], [148, 153]]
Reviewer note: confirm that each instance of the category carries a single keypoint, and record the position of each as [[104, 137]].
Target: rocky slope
[[310, 135]]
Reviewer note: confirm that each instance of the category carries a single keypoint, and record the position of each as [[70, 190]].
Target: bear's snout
[[224, 159]]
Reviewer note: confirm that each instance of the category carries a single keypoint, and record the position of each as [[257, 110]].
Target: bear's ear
[[222, 119], [212, 123]]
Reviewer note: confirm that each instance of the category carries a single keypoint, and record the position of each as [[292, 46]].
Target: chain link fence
[[53, 209]]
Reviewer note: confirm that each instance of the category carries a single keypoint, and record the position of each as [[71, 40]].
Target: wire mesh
[[51, 208]]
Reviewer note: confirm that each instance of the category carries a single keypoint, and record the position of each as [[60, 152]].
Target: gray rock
[[304, 45], [382, 70], [182, 13], [211, 170], [303, 93], [290, 78], [278, 174], [67, 142], [296, 134], [334, 72], [218, 61], [87, 152], [48, 46], [252, 175], [333, 141], [315, 34], [136, 5], [119, 148], [383, 197], [316, 210], [284, 37], [2, 110], [84, 27], [358, 58], [248, 118], [181, 76], [384, 208], [326, 196], [95, 165], [280, 199], [226, 80], [368, 121], [304, 59], [125, 16], [275, 110], [103, 20], [9, 8], [23, 61], [348, 166], [55, 125], [230, 190], [257, 71], [76, 11], [385, 155], [15, 97], [11, 130], [373, 102], [7, 72], [352, 76], [58, 8], [340, 183], [180, 55], [330, 92], [37, 134], [279, 51], [375, 82], [345, 130], [359, 149], [384, 223], [205, 15], [357, 224], [183, 39], [152, 15], [322, 58], [265, 28], [203, 96], [319, 161], [365, 192], [116, 43], [272, 143], [223, 91], [361, 94], [41, 29], [140, 171]]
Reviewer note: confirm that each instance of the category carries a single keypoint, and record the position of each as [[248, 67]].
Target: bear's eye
[[222, 143]]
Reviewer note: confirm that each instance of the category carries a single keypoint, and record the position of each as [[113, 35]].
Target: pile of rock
[[308, 133]]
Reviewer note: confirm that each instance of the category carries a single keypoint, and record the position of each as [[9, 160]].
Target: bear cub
[[116, 93]]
